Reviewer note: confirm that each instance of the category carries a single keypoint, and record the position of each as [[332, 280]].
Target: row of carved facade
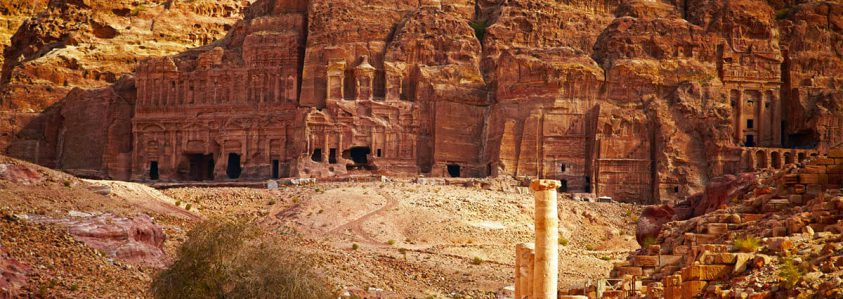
[[248, 107]]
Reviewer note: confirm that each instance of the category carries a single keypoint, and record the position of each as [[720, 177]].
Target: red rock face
[[19, 174], [13, 276], [650, 223], [134, 240], [717, 194], [640, 101], [92, 43]]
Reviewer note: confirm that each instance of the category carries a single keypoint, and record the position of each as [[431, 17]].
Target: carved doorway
[[563, 186], [153, 171], [454, 170], [276, 169], [201, 167], [233, 169], [359, 156]]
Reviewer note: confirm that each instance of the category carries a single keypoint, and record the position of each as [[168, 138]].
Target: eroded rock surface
[[640, 101], [91, 44], [136, 240]]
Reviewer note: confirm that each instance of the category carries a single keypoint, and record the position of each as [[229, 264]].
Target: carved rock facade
[[640, 101]]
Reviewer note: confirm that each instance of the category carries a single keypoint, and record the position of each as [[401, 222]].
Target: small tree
[[236, 259]]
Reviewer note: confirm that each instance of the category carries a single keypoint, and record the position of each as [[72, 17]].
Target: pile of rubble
[[776, 236]]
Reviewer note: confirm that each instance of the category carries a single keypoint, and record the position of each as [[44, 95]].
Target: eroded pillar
[[524, 258], [546, 265]]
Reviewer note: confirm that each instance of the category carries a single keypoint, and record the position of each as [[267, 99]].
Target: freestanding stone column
[[546, 269], [524, 257]]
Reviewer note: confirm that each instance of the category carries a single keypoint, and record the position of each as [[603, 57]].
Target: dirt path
[[356, 226]]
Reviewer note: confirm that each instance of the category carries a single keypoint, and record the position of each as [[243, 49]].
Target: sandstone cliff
[[637, 100], [89, 43]]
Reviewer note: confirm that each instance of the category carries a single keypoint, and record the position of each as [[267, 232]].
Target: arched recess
[[776, 158], [761, 160]]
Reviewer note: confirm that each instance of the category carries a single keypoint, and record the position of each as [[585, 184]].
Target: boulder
[[717, 194], [650, 222]]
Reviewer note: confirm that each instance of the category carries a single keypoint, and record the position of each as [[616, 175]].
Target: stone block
[[715, 248], [635, 271], [824, 161], [654, 249], [645, 260], [751, 217], [795, 199], [701, 238], [718, 258], [706, 272], [813, 169], [690, 289], [835, 153], [666, 260], [835, 169], [779, 245], [717, 228], [776, 204], [672, 287], [814, 189], [681, 250], [809, 178]]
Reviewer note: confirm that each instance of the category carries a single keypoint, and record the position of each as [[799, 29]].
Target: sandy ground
[[417, 240], [406, 239]]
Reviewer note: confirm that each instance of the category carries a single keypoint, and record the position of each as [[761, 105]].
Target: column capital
[[544, 185]]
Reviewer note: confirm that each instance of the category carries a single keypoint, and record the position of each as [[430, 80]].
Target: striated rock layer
[[92, 43], [637, 100]]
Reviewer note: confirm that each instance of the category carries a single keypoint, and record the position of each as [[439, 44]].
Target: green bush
[[235, 259], [747, 244], [479, 29], [476, 261]]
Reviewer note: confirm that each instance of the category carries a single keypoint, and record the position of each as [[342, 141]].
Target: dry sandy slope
[[417, 240], [62, 266], [414, 240]]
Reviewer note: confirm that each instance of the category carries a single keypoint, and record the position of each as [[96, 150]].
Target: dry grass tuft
[[236, 259]]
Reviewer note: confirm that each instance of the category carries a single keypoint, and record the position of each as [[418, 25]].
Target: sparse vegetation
[[649, 241], [781, 14], [589, 247], [479, 29], [391, 242], [68, 183], [188, 207], [746, 244], [235, 259], [355, 246], [789, 273], [563, 241], [477, 261]]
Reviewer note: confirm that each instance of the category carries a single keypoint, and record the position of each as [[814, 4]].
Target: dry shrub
[[747, 244], [236, 259]]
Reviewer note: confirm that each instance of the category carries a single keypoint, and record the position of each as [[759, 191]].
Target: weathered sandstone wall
[[637, 100]]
